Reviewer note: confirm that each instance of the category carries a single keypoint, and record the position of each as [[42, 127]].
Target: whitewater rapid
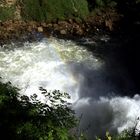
[[63, 65], [45, 64]]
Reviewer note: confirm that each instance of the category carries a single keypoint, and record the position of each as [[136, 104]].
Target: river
[[95, 85]]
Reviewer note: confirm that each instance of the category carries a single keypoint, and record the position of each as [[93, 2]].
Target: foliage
[[7, 13], [107, 137], [111, 3], [32, 10], [93, 4], [132, 133], [137, 1], [24, 118], [127, 134], [128, 4], [42, 10], [105, 3]]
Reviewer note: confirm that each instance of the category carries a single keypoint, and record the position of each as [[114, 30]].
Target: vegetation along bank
[[66, 18]]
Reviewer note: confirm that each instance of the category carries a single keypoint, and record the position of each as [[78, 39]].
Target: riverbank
[[20, 19], [20, 29]]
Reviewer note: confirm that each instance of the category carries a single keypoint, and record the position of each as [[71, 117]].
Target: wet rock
[[70, 21], [80, 32], [33, 24], [10, 2], [47, 34], [49, 25], [29, 28], [40, 29], [57, 27], [43, 24], [17, 13], [63, 32], [108, 23], [63, 23]]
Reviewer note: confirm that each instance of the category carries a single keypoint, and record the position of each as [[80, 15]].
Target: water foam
[[44, 64], [108, 114]]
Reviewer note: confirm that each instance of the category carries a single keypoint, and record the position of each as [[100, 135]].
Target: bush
[[67, 9], [42, 10], [100, 4], [105, 3], [32, 10], [7, 13], [128, 134], [24, 118]]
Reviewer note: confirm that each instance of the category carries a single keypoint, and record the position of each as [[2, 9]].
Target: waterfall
[[45, 64], [63, 65]]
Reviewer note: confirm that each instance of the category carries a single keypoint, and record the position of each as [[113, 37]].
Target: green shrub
[[24, 118], [32, 10], [105, 3], [101, 4], [42, 10], [7, 13], [137, 1], [67, 9], [127, 134]]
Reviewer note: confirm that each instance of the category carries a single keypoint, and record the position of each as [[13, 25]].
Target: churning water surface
[[59, 64]]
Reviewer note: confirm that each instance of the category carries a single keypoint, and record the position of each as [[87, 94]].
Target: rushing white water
[[108, 114], [45, 64], [63, 65]]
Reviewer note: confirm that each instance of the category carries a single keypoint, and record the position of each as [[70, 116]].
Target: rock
[[55, 25], [1, 23], [70, 21], [62, 23], [17, 13], [109, 24], [63, 32], [10, 28], [80, 32], [43, 24], [29, 29], [40, 29], [49, 25], [10, 2], [33, 24], [47, 34]]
